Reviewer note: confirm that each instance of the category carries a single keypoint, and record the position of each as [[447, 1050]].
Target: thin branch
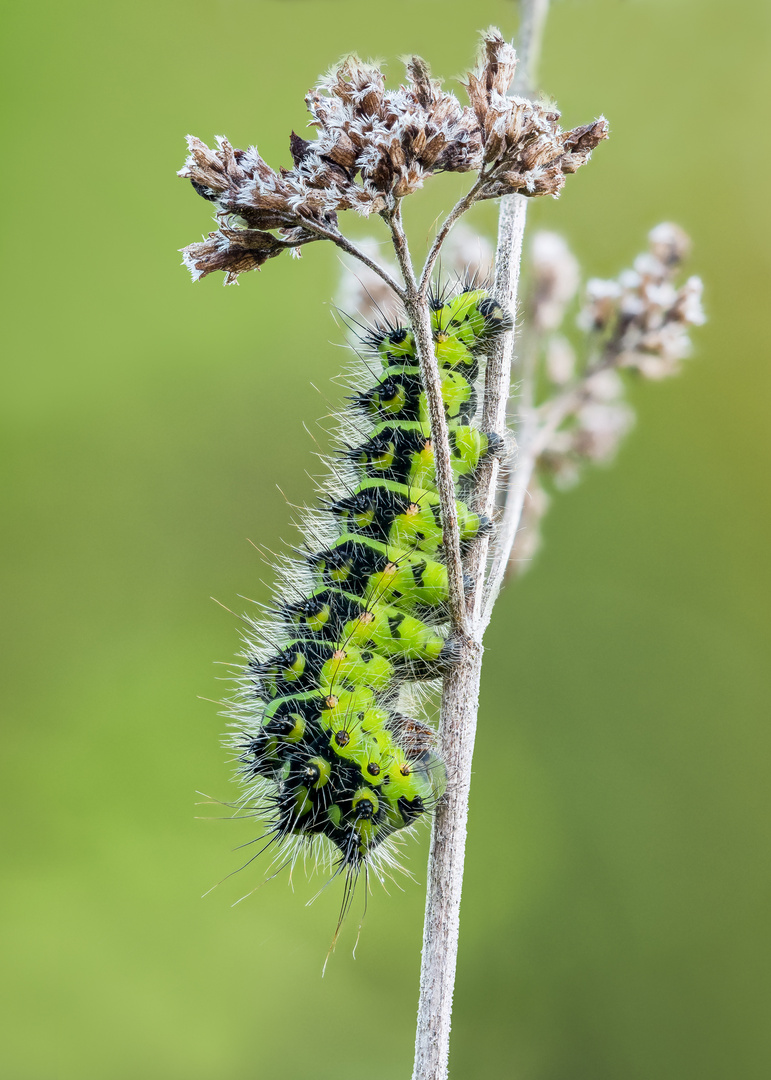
[[531, 27], [457, 211], [420, 317], [460, 702], [460, 693], [511, 230], [346, 245], [511, 233], [460, 699]]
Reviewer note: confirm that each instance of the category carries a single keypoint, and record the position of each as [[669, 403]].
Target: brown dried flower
[[525, 150], [375, 146], [640, 320], [232, 250]]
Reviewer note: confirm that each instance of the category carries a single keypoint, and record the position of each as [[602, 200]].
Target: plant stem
[[460, 208], [416, 303], [460, 694], [346, 245], [531, 26]]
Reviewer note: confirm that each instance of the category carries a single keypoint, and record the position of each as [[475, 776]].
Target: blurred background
[[615, 918]]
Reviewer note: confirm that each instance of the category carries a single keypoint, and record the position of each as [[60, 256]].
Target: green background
[[615, 918]]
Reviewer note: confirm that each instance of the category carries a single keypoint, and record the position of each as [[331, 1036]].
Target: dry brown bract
[[373, 147]]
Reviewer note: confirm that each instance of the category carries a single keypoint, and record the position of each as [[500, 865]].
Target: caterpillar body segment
[[338, 616], [403, 516], [404, 452], [381, 572], [325, 739], [310, 663], [462, 327], [400, 396], [336, 760]]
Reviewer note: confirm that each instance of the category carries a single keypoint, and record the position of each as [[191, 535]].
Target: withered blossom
[[232, 250], [639, 320], [375, 146], [642, 317], [524, 148]]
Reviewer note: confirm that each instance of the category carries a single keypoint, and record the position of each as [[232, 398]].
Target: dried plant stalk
[[460, 692]]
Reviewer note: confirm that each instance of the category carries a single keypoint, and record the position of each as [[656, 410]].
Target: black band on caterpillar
[[403, 452], [325, 740], [380, 572], [402, 515], [400, 396]]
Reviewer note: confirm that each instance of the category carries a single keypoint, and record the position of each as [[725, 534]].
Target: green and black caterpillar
[[361, 614]]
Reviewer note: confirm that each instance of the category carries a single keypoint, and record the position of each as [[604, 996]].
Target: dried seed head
[[234, 251], [600, 428], [639, 320], [525, 150], [601, 304], [668, 243], [373, 147], [643, 316]]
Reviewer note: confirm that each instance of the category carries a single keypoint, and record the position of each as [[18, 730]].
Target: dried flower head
[[375, 146], [639, 320], [643, 318], [524, 148]]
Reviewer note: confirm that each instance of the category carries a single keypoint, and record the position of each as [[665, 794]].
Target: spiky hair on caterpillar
[[326, 746]]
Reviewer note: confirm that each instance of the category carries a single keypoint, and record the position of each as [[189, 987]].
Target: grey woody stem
[[460, 694], [531, 27], [460, 701]]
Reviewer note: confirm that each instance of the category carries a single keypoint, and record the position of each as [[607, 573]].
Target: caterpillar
[[325, 744]]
